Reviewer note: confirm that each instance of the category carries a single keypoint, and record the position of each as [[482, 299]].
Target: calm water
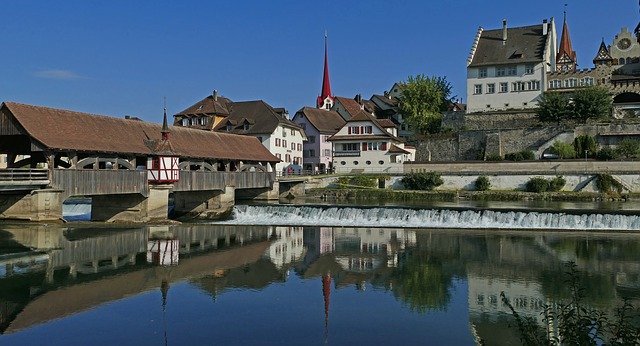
[[235, 284]]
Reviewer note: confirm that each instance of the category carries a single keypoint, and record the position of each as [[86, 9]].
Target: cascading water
[[426, 218]]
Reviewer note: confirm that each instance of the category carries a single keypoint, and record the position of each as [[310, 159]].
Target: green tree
[[554, 107], [629, 149], [564, 150], [585, 143], [591, 102], [423, 100], [422, 283]]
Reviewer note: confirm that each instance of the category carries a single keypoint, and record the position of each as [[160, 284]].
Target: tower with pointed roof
[[603, 57], [566, 59], [325, 100]]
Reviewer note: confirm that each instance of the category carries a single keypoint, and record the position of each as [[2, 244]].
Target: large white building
[[507, 67], [369, 145]]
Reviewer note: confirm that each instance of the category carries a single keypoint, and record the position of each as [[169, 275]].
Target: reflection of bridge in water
[[78, 273]]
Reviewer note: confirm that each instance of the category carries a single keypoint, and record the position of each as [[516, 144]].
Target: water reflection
[[53, 272]]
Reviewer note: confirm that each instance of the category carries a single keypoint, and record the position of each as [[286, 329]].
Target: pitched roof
[[350, 105], [565, 44], [523, 44], [263, 118], [210, 105], [68, 130], [394, 149], [327, 122], [364, 116], [603, 54], [386, 123], [391, 101]]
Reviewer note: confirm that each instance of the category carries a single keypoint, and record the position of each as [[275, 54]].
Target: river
[[282, 274]]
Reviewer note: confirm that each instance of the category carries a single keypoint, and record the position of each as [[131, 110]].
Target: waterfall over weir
[[427, 218]]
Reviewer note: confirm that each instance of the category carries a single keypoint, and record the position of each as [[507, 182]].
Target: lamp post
[[586, 152]]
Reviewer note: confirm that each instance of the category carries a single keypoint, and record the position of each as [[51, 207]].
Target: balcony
[[346, 153]]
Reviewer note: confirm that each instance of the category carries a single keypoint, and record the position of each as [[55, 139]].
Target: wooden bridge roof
[[58, 129]]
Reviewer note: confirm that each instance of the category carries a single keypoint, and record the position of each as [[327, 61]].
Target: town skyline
[[123, 59]]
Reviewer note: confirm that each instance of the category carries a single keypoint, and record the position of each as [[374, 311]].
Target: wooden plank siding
[[200, 181], [252, 180], [87, 182], [12, 174]]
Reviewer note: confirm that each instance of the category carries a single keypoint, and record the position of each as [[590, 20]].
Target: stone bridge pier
[[208, 204]]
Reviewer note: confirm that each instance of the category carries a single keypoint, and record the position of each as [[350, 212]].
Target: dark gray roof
[[524, 45], [260, 117]]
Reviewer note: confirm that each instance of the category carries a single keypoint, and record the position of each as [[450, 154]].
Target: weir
[[428, 218]]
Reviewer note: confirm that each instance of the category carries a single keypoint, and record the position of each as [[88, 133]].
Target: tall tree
[[554, 107], [423, 100], [591, 102]]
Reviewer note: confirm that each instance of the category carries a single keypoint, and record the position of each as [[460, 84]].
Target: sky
[[122, 57]]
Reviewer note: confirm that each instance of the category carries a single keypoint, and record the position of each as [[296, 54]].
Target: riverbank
[[372, 194]]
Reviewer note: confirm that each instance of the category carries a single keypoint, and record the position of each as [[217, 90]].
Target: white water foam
[[426, 218]]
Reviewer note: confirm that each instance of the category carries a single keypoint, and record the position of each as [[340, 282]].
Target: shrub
[[537, 184], [359, 180], [564, 150], [422, 181], [585, 143], [494, 157], [483, 183], [629, 149], [607, 154], [520, 156], [557, 183], [606, 184]]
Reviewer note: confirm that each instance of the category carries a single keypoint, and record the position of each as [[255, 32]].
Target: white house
[[507, 67], [364, 145]]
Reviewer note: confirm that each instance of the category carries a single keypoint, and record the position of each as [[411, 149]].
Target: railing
[[88, 182], [11, 174], [346, 153], [200, 181]]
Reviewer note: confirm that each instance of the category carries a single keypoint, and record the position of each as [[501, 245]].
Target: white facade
[[363, 147], [286, 144], [510, 84], [288, 248]]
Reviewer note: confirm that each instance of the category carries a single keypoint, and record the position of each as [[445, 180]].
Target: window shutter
[[384, 146], [349, 128], [364, 146]]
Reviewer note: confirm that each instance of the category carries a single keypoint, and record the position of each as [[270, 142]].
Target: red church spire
[[326, 293], [566, 57], [326, 85]]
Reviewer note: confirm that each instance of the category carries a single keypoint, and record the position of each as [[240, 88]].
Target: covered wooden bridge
[[83, 154]]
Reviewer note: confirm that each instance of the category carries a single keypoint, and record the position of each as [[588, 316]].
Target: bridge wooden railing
[[88, 182], [251, 180], [19, 174], [200, 180]]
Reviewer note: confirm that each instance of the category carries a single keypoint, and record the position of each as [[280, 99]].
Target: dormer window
[[245, 126], [185, 122], [229, 127], [202, 121]]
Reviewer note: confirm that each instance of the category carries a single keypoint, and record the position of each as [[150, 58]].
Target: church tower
[[603, 57], [325, 100], [566, 60]]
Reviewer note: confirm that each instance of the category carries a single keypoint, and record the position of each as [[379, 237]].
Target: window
[[512, 70], [373, 146], [293, 146], [185, 121], [355, 163], [278, 156], [312, 139], [299, 147], [488, 106], [528, 69], [586, 81], [229, 127], [504, 87], [350, 146], [312, 153], [477, 89], [570, 83], [293, 132], [368, 129], [533, 85], [500, 72], [203, 120], [368, 162], [287, 158], [305, 153], [482, 73], [506, 105], [277, 142], [555, 84], [245, 126], [354, 130], [491, 88], [284, 143], [343, 163], [381, 162], [517, 86], [284, 132], [327, 152]]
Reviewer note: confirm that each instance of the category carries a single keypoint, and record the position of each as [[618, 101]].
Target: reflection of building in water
[[288, 246], [163, 246]]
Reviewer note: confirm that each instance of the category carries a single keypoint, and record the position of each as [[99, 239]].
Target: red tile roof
[[60, 129]]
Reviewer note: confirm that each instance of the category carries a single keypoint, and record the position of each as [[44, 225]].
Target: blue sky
[[122, 57]]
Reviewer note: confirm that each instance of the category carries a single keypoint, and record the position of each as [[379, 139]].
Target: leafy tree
[[628, 149], [483, 183], [591, 102], [585, 143], [423, 100], [564, 150], [422, 181], [554, 107]]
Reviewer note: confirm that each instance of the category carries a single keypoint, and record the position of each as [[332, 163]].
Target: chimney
[[215, 95], [545, 27], [504, 31]]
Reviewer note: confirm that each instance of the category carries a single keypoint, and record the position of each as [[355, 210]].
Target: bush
[[359, 180], [564, 150], [537, 184], [422, 181], [494, 157], [607, 154], [606, 184], [483, 183], [520, 156], [629, 149], [557, 183], [585, 143]]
